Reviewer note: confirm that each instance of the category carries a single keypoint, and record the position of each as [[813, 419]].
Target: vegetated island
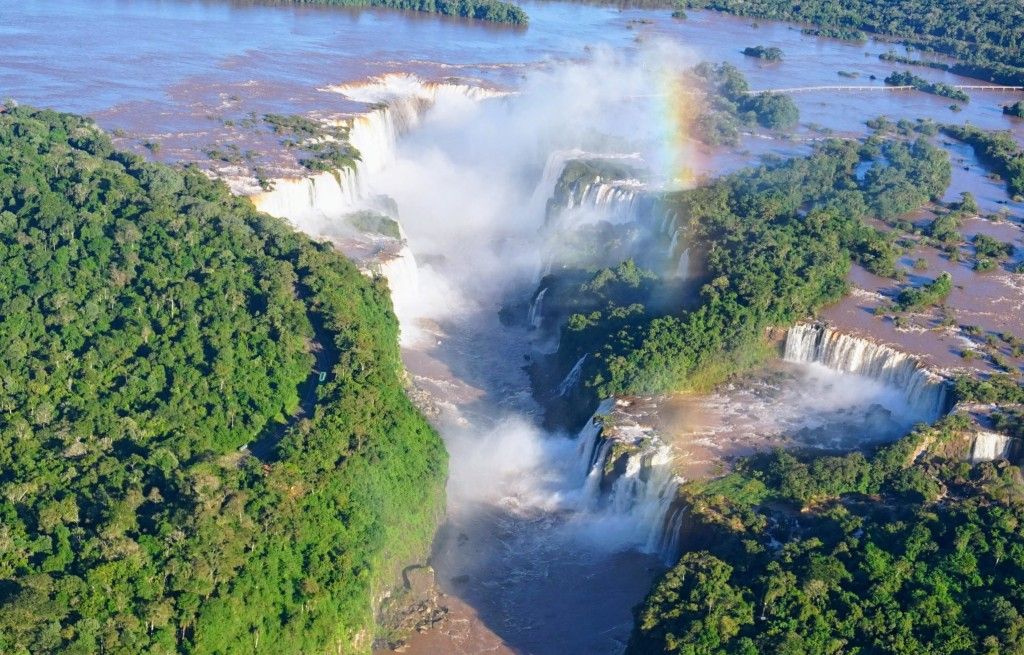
[[730, 106], [762, 52], [154, 325], [999, 150], [492, 11], [907, 78]]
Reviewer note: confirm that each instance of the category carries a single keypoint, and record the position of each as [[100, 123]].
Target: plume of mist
[[466, 179], [466, 182]]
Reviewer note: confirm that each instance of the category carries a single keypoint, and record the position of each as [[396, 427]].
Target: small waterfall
[[586, 447], [669, 221], [549, 177], [628, 475], [535, 315], [675, 241], [616, 201], [402, 275], [669, 546], [683, 267], [571, 379], [924, 391], [990, 446]]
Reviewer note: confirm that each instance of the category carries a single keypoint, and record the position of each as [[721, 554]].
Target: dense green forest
[[153, 326], [911, 550], [777, 240], [999, 150], [494, 11], [985, 35]]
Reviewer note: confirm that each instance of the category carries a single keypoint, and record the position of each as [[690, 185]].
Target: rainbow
[[680, 159]]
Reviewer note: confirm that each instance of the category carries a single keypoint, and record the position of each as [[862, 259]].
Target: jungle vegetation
[[762, 52], [777, 242], [985, 36], [154, 325], [909, 550], [493, 11], [906, 78]]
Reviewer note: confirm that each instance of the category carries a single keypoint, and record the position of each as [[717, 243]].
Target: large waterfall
[[310, 202], [925, 392], [319, 204], [399, 103], [627, 476]]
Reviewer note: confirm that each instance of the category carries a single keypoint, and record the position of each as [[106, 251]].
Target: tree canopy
[[909, 550], [155, 324]]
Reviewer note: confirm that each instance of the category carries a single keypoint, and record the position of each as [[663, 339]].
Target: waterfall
[[319, 204], [924, 391], [683, 267], [628, 475], [616, 201], [313, 204], [307, 201], [587, 439], [549, 177], [990, 446], [669, 546], [402, 275], [669, 220], [572, 378], [675, 241], [535, 315]]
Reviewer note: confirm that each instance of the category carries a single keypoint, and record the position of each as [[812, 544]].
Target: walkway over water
[[875, 87]]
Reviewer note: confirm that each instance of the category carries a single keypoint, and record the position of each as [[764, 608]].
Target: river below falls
[[527, 569]]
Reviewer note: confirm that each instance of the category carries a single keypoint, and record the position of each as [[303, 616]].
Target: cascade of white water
[[646, 489], [629, 476], [616, 201], [587, 439], [990, 446], [553, 168], [571, 379], [402, 275], [669, 546], [318, 204], [683, 267], [314, 203], [675, 241], [668, 221], [924, 391], [535, 316], [307, 202]]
